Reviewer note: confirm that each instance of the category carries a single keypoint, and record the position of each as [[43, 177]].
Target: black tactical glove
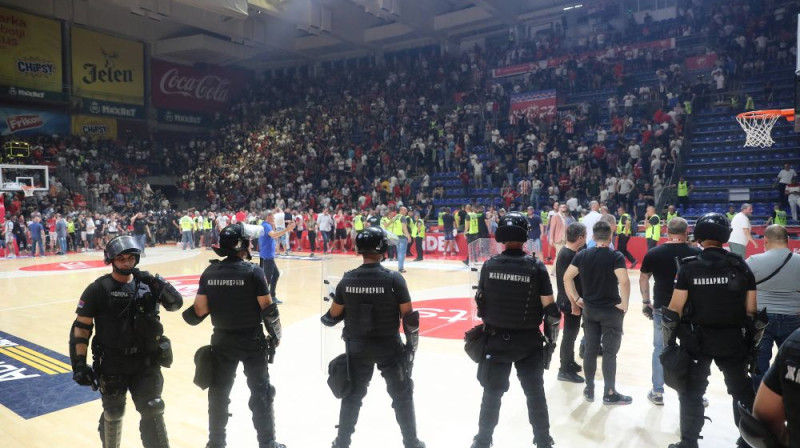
[[272, 321], [166, 294], [83, 374]]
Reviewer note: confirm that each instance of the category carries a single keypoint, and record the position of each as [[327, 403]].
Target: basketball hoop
[[758, 125], [28, 191]]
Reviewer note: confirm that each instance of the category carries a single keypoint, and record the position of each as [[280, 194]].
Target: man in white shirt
[[325, 223], [740, 231], [785, 177], [280, 224], [591, 219], [793, 194]]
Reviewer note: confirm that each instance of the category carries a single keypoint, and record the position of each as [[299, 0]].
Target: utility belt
[[507, 345], [714, 341]]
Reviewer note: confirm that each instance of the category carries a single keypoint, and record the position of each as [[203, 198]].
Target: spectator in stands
[[740, 231], [784, 178]]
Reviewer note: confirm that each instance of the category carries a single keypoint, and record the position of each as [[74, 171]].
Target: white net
[[758, 128], [28, 191]]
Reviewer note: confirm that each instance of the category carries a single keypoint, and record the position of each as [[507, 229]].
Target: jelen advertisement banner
[[107, 68], [206, 89], [30, 55]]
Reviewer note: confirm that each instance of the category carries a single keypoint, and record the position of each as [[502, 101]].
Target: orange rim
[[788, 114]]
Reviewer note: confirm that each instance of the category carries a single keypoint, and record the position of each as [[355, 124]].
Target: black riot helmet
[[122, 245], [513, 226], [372, 240], [232, 240], [712, 226], [374, 221]]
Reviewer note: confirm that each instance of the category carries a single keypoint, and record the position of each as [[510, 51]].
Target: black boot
[[477, 442], [544, 442], [271, 444], [684, 444]]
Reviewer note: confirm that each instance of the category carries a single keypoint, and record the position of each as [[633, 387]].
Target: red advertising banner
[[521, 69], [533, 106], [205, 89], [703, 62]]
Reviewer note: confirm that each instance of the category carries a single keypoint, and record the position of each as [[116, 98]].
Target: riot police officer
[[514, 297], [235, 293], [373, 301], [713, 301], [129, 346], [777, 404]]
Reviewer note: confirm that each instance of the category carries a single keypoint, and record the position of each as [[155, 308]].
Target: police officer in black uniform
[[235, 293], [373, 301], [777, 404], [129, 347], [713, 301], [514, 297]]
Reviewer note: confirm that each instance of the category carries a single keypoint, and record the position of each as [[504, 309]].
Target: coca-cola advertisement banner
[[207, 89], [19, 122]]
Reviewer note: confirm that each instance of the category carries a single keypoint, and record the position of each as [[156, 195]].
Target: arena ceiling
[[261, 34]]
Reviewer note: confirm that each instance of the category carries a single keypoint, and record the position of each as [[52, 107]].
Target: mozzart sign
[[206, 89]]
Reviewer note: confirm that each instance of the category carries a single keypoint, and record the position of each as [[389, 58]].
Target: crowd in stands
[[382, 136]]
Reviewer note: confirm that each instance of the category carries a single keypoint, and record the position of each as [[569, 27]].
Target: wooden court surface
[[38, 307]]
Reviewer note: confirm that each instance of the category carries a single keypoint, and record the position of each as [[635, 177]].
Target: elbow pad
[[75, 359], [330, 321], [552, 322], [272, 320], [191, 317], [411, 329]]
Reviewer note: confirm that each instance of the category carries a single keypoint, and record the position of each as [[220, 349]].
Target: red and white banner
[[528, 67], [703, 62], [533, 106], [200, 89]]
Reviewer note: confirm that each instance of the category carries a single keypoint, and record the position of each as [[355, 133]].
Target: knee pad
[[153, 408], [272, 392], [114, 413]]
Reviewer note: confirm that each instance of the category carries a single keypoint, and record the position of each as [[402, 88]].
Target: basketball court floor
[[40, 406]]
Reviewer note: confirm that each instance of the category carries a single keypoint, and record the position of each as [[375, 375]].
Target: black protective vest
[[371, 309], [790, 387], [511, 293], [717, 289], [129, 323], [232, 299]]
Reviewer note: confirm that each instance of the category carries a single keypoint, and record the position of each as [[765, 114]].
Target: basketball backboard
[[15, 177]]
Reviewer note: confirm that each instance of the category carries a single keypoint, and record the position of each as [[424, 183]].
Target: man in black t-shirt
[[140, 230], [535, 231], [576, 239], [662, 263], [448, 223], [463, 216], [483, 229], [606, 290]]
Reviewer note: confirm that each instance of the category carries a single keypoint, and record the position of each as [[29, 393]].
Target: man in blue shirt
[[37, 236], [266, 251], [535, 231], [61, 234]]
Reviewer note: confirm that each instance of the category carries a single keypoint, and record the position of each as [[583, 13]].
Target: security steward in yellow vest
[[778, 217], [471, 229], [373, 301], [418, 235], [387, 224], [652, 232], [671, 213], [514, 298], [358, 222], [713, 313], [683, 194], [207, 226], [624, 234]]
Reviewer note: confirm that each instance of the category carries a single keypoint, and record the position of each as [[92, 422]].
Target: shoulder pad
[[687, 260], [734, 258], [215, 261]]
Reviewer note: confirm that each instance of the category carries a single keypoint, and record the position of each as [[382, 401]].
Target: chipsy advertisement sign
[[30, 52], [205, 89], [32, 122], [107, 68], [94, 127]]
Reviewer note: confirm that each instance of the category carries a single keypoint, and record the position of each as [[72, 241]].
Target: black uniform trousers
[[228, 349], [388, 355], [524, 350], [418, 245], [651, 243], [141, 375], [732, 359], [312, 240], [272, 273], [622, 246], [602, 323], [572, 326]]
